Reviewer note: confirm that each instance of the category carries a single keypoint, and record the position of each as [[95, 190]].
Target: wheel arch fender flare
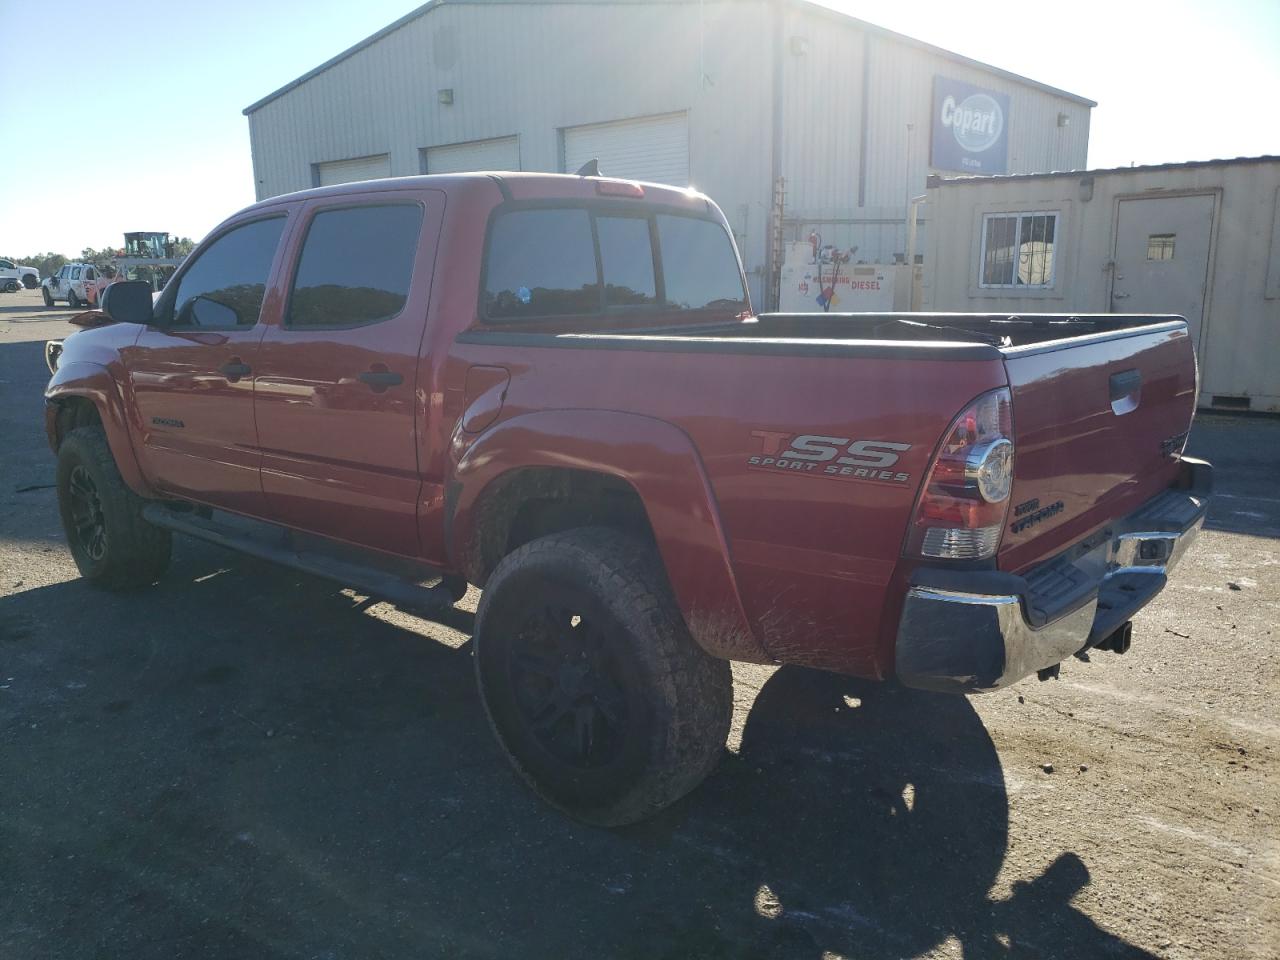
[[660, 462], [81, 379]]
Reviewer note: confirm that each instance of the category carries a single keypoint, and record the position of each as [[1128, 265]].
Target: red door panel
[[335, 381], [191, 371], [198, 439]]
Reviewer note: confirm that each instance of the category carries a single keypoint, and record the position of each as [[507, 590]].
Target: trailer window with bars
[[1018, 250]]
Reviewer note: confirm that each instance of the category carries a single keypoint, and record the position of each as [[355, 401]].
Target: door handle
[[234, 369], [379, 380], [1119, 296]]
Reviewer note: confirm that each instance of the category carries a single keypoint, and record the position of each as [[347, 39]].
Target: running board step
[[273, 543]]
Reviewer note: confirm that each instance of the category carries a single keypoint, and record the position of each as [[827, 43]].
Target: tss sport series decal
[[840, 458]]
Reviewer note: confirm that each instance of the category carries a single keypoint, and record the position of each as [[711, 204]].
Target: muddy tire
[[30, 282], [48, 298], [595, 690], [72, 300], [110, 542]]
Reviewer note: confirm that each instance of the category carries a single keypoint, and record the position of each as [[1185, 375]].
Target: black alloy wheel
[[568, 687], [89, 525]]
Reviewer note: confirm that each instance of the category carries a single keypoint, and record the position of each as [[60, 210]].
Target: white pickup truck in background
[[13, 275]]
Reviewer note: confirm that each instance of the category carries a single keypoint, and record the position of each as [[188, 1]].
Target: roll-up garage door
[[348, 171], [502, 153], [646, 148]]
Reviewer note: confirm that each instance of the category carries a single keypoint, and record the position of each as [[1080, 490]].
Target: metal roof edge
[[935, 180], [368, 41], [944, 52], [809, 5]]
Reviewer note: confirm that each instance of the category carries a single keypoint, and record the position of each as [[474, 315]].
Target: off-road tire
[[676, 701], [72, 300], [30, 282], [132, 552], [11, 286], [48, 298]]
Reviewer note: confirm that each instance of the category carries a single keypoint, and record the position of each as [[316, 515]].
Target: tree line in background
[[50, 263]]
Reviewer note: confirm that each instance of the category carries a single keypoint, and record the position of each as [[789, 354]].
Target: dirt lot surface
[[243, 762]]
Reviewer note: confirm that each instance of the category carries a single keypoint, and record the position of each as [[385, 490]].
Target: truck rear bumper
[[970, 631]]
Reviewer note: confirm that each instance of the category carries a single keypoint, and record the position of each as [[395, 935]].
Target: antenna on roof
[[590, 169]]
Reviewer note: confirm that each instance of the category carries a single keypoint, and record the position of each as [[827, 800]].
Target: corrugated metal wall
[[827, 187], [530, 70]]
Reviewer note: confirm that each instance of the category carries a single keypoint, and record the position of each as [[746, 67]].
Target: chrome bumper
[[955, 636]]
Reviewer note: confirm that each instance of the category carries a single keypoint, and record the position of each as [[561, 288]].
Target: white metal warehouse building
[[725, 96], [1199, 239]]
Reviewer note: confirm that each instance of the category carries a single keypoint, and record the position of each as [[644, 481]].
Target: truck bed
[[959, 336]]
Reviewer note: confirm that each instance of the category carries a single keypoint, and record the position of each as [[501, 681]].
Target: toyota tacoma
[[555, 388]]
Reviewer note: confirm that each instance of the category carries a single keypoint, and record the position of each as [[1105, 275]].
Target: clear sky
[[127, 116]]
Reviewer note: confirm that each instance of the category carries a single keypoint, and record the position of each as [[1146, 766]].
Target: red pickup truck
[[554, 388]]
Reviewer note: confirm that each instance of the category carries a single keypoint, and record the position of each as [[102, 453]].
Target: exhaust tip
[[1119, 640]]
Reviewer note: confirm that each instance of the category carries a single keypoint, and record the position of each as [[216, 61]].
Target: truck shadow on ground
[[240, 762], [879, 822]]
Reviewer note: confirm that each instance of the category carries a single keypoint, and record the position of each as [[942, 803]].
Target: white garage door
[[647, 148], [502, 153], [348, 171]]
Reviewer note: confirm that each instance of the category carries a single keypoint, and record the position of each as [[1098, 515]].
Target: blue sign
[[970, 128]]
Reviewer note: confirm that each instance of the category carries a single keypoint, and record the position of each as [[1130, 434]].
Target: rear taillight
[[965, 498]]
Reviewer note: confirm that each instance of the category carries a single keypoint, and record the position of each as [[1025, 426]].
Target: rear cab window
[[607, 266]]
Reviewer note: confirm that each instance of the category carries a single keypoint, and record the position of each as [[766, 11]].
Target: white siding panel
[[647, 148], [500, 153], [349, 171]]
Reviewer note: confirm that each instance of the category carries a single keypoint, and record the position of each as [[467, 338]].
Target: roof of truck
[[513, 185]]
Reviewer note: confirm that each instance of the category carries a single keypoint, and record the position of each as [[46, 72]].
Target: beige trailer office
[[1199, 239]]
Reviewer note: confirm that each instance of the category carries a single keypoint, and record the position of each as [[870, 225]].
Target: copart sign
[[970, 128]]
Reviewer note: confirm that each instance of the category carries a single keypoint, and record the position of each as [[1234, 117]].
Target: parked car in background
[[13, 275], [77, 283], [555, 388]]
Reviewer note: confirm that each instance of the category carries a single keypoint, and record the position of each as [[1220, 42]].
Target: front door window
[[224, 288]]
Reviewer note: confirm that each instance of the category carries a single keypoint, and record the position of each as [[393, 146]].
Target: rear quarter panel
[[813, 555]]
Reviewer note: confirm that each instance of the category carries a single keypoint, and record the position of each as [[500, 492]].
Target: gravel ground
[[245, 762]]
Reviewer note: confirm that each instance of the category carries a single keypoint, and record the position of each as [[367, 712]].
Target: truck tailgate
[[1099, 423]]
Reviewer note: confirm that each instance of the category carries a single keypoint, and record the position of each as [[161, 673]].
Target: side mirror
[[128, 301]]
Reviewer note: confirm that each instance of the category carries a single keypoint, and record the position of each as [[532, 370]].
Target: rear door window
[[225, 286], [698, 265], [356, 266], [541, 263]]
